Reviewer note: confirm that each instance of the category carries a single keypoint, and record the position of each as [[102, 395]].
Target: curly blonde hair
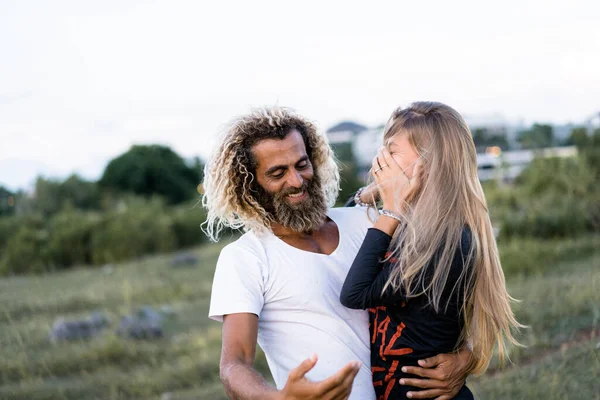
[[229, 173]]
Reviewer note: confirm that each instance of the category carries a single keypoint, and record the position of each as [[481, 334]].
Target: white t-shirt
[[295, 294]]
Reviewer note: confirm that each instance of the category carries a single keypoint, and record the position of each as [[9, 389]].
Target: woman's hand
[[393, 184]]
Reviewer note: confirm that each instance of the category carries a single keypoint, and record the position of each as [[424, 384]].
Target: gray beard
[[306, 216]]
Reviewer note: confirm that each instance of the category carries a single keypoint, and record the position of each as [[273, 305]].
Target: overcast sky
[[81, 81]]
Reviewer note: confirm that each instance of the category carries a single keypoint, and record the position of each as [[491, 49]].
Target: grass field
[[560, 302]]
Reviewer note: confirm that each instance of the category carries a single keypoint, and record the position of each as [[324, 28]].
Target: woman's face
[[404, 154]]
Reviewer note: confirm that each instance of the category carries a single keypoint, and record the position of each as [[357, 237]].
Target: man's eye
[[278, 176], [303, 164]]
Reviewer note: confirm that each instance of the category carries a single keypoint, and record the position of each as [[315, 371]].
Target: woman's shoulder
[[466, 239], [463, 259]]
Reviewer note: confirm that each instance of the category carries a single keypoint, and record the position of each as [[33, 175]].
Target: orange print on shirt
[[392, 260], [380, 326], [391, 381], [386, 348], [396, 352]]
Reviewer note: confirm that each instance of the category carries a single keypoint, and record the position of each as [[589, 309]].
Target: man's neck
[[322, 241], [282, 231]]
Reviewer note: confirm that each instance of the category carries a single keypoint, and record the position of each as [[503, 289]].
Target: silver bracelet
[[357, 199], [390, 214]]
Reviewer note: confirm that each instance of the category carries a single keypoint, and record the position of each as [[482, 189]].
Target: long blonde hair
[[229, 172], [450, 197]]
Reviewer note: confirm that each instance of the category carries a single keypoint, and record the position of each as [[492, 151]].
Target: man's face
[[287, 187]]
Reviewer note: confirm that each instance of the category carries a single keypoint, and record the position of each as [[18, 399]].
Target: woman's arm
[[364, 283]]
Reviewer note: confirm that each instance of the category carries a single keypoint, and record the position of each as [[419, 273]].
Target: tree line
[[147, 201]]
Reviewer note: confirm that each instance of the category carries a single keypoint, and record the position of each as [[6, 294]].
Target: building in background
[[344, 132]]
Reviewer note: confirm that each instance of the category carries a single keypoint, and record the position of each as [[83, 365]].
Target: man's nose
[[295, 179]]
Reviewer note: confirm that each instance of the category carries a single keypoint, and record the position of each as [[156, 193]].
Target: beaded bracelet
[[390, 214], [357, 199]]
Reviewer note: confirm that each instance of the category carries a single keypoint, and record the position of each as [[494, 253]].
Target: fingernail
[[313, 357], [421, 362], [403, 369], [358, 364], [409, 394], [402, 381]]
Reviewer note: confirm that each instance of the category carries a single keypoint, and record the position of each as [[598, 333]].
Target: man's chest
[[297, 280]]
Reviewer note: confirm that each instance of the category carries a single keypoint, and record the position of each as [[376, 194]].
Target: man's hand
[[370, 194], [445, 375], [336, 387]]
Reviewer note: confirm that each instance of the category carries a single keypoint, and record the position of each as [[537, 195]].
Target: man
[[274, 176]]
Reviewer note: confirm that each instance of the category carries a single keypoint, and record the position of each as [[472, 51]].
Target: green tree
[[51, 195], [554, 197], [484, 138], [152, 170], [198, 166], [539, 135], [7, 202], [595, 138], [479, 137], [579, 137], [349, 180], [81, 194], [591, 153], [47, 197]]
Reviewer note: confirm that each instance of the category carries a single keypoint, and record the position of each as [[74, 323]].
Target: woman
[[428, 271]]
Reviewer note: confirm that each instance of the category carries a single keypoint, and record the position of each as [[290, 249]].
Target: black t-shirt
[[404, 331]]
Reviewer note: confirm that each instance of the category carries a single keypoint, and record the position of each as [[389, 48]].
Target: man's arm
[[369, 195], [240, 379], [444, 374], [243, 382], [363, 287]]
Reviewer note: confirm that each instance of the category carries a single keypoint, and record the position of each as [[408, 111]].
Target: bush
[[137, 228], [9, 226], [349, 180], [552, 198], [186, 224], [31, 245], [559, 176], [531, 256], [501, 200], [25, 251], [70, 237], [549, 216], [133, 228], [592, 157]]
